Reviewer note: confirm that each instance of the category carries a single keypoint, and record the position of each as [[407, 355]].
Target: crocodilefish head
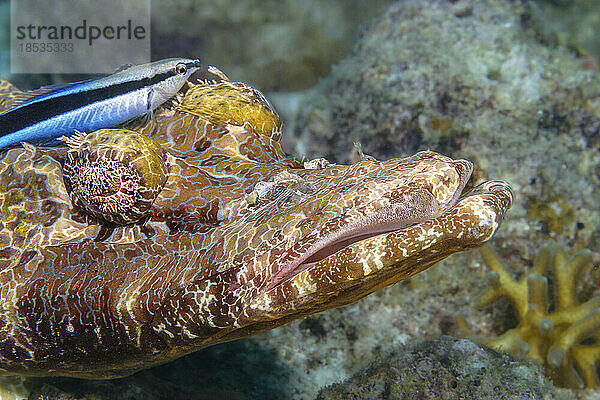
[[164, 78]]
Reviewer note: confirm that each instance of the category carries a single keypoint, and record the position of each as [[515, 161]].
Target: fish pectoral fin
[[149, 105], [151, 116], [149, 100]]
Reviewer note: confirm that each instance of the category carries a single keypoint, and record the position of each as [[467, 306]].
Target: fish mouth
[[413, 208], [193, 64]]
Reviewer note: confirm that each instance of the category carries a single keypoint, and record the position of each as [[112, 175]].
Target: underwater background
[[513, 86]]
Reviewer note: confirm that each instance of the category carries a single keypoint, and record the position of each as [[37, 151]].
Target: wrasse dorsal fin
[[123, 68], [8, 89]]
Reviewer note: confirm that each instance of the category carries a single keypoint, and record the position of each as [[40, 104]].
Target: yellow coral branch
[[580, 330], [555, 338], [566, 272], [502, 284], [587, 357], [542, 261]]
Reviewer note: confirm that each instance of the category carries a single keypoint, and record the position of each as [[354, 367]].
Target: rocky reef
[[574, 24], [443, 368], [440, 369], [479, 79]]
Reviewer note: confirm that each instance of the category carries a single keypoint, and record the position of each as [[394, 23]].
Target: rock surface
[[444, 368]]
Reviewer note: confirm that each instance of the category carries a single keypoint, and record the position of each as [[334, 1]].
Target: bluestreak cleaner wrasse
[[46, 114]]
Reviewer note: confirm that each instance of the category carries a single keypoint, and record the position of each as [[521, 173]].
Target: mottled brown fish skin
[[216, 257]]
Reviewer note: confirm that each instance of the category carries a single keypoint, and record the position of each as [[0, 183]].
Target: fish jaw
[[382, 260], [432, 186]]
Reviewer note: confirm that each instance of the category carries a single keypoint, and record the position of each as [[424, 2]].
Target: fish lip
[[464, 169]]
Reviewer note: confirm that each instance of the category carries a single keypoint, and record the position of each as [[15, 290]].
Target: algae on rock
[[444, 368]]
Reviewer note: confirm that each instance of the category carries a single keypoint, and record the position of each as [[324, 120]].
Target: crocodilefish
[[45, 114]]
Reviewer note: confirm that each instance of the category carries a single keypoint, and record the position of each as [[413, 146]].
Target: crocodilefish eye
[[114, 174]]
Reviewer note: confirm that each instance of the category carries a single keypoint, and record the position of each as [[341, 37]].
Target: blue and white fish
[[46, 114]]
